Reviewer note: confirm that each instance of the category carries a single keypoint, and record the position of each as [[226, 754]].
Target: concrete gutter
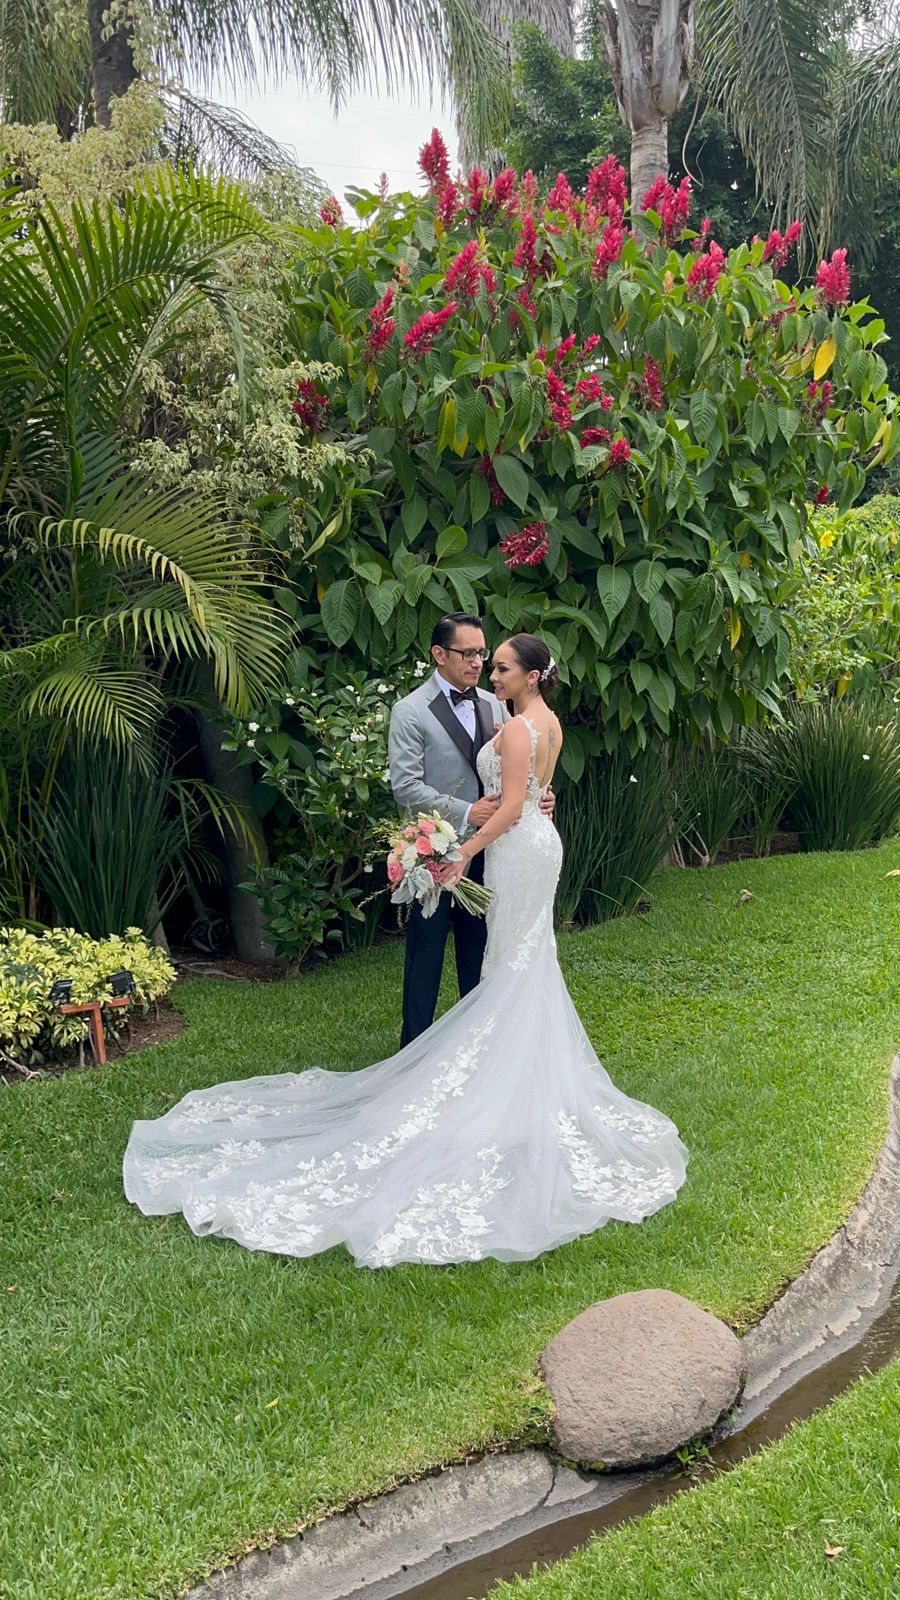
[[413, 1534]]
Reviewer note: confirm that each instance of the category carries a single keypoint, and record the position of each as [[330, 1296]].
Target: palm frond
[[767, 64], [45, 64], [203, 132], [101, 702], [207, 601]]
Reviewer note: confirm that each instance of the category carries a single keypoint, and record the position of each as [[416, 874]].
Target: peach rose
[[424, 846], [394, 871], [428, 827]]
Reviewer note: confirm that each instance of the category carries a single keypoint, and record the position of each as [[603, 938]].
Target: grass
[[168, 1401], [762, 1532]]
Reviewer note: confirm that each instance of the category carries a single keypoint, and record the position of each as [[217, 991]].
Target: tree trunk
[[247, 923], [555, 19], [112, 61], [650, 44], [649, 157]]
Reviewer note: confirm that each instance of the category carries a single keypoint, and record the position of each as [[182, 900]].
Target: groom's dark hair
[[444, 632]]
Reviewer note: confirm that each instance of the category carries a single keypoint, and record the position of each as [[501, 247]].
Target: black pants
[[426, 941]]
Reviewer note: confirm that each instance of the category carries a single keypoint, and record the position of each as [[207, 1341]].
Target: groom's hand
[[548, 803], [483, 810]]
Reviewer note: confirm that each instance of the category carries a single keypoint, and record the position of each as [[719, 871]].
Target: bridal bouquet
[[418, 852]]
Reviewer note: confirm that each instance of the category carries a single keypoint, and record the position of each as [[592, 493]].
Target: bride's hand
[[452, 872]]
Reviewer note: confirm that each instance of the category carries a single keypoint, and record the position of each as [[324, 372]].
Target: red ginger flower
[[560, 401], [778, 246], [311, 406], [528, 548], [606, 188], [383, 327], [833, 280], [589, 389], [563, 350], [528, 191], [561, 197], [619, 453], [462, 272], [434, 162], [479, 191], [609, 249], [421, 335], [331, 213], [823, 395], [505, 189], [594, 436], [822, 494], [448, 204], [706, 271], [486, 468], [525, 256], [524, 300], [673, 205], [590, 345], [652, 384]]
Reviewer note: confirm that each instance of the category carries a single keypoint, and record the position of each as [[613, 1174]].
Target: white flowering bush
[[323, 756], [30, 964]]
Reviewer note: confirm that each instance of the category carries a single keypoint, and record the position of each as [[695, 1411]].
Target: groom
[[435, 736]]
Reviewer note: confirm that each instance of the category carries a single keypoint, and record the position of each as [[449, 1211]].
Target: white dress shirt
[[464, 713]]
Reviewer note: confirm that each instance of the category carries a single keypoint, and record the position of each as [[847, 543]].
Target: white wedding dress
[[496, 1133]]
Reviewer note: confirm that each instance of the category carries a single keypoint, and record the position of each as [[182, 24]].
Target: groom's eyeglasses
[[470, 655]]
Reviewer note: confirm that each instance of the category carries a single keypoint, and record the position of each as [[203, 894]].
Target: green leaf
[[358, 288], [661, 617], [788, 421], [340, 610], [415, 581], [649, 577], [413, 515], [452, 542], [383, 598], [703, 415], [641, 675], [513, 479], [381, 440], [613, 587], [479, 496]]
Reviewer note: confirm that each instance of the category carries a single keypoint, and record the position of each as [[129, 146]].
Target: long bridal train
[[496, 1133]]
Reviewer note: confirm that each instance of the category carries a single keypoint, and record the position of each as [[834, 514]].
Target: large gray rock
[[636, 1377]]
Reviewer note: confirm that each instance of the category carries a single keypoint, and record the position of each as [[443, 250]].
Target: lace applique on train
[[496, 1133]]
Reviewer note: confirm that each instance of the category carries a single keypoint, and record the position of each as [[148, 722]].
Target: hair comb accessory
[[550, 667]]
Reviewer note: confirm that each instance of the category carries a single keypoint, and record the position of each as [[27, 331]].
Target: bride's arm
[[515, 757]]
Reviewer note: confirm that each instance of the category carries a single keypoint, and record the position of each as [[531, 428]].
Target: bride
[[495, 1133]]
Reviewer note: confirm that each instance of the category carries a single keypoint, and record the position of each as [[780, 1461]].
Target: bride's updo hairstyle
[[533, 656]]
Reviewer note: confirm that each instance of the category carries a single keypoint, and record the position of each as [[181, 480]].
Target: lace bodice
[[490, 767]]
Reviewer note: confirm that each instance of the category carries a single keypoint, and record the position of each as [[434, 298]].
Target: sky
[[369, 136]]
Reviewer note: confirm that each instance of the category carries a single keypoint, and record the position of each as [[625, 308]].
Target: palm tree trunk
[[112, 61], [649, 156], [251, 942], [650, 44]]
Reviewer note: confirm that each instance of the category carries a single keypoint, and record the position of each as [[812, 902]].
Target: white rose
[[409, 858], [440, 844]]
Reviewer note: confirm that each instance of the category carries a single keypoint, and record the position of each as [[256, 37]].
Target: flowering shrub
[[323, 757], [31, 963], [595, 428]]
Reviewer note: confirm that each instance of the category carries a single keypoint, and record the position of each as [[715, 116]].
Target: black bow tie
[[458, 695]]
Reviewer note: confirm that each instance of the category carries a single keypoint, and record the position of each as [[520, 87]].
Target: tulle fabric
[[496, 1133]]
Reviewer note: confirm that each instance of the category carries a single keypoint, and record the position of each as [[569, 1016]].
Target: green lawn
[[762, 1532], [165, 1401]]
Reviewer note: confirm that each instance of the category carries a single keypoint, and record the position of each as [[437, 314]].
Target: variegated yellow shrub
[[31, 963]]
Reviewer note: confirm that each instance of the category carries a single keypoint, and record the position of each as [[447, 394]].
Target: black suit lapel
[[442, 709]]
